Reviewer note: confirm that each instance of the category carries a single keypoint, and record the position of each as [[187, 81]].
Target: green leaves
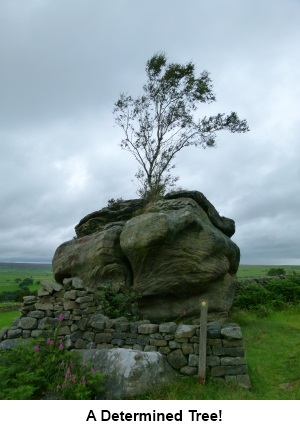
[[272, 294], [116, 305], [155, 64]]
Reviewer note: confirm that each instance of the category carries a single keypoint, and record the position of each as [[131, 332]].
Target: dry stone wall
[[83, 326]]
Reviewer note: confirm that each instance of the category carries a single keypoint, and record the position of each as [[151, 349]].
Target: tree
[[26, 282], [160, 123], [276, 271]]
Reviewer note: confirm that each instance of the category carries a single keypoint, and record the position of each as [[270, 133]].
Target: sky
[[64, 64]]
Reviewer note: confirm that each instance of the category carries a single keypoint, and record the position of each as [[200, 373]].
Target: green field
[[10, 272], [256, 271], [7, 318]]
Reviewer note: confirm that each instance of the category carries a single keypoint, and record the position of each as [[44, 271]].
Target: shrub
[[274, 294], [43, 368], [278, 271], [117, 305], [26, 282], [250, 296], [16, 295], [286, 290]]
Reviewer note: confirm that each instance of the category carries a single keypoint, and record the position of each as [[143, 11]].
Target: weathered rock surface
[[121, 210], [96, 258], [226, 225], [128, 372], [172, 254], [177, 257]]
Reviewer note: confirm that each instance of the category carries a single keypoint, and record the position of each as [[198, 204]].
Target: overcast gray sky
[[64, 64]]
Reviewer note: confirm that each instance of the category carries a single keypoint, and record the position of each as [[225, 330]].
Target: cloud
[[63, 65]]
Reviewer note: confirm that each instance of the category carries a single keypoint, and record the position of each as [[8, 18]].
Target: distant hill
[[43, 266]]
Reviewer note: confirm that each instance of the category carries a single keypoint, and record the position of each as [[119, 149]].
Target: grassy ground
[[272, 345], [7, 318]]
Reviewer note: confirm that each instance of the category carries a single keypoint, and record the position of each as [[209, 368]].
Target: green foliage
[[276, 271], [26, 282], [273, 294], [251, 296], [16, 295], [117, 305], [161, 122], [43, 368]]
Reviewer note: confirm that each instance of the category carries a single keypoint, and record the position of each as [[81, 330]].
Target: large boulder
[[179, 257], [172, 254], [129, 373]]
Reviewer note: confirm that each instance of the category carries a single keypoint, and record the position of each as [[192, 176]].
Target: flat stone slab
[[129, 372]]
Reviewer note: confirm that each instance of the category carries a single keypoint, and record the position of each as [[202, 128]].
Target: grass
[[272, 346], [7, 318]]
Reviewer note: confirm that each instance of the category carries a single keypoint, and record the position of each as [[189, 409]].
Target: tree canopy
[[161, 122]]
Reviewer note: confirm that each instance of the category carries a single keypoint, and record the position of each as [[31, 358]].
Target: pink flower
[[93, 371], [60, 317], [68, 373], [73, 379], [61, 344], [50, 342], [83, 381], [36, 348]]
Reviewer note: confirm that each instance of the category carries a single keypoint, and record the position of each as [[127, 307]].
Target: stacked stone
[[226, 353], [39, 314], [180, 344], [84, 327]]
